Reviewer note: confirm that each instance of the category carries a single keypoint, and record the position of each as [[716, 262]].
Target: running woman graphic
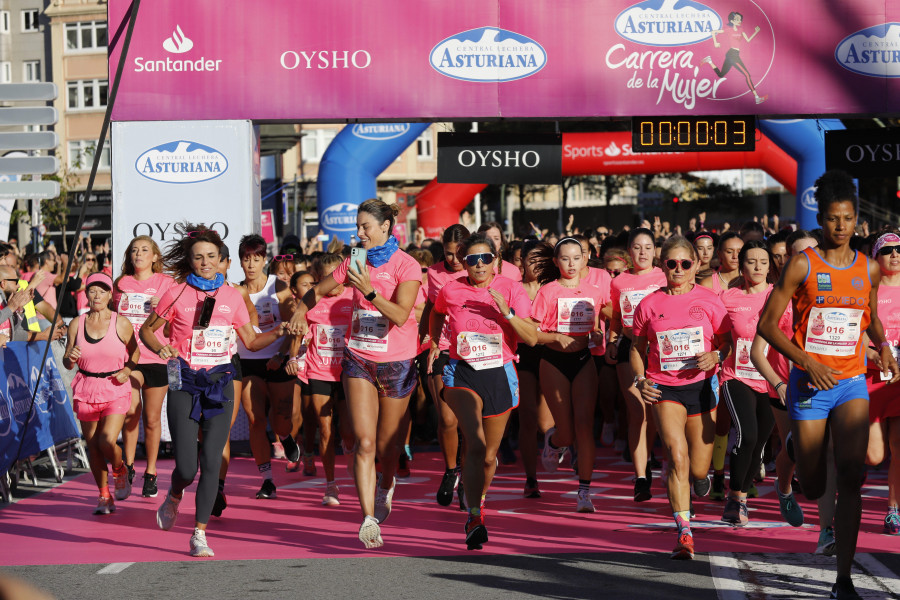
[[737, 38]]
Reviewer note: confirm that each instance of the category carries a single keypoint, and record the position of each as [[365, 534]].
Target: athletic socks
[[265, 470], [720, 447], [584, 485], [683, 521]]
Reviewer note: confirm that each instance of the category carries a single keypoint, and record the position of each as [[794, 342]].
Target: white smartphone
[[358, 257], [323, 238]]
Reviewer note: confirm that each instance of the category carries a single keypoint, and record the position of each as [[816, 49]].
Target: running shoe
[[105, 506], [507, 456], [892, 523], [168, 512], [266, 491], [584, 502], [826, 545], [843, 590], [403, 466], [149, 490], [761, 99], [448, 485], [461, 496], [642, 489], [684, 550], [551, 458], [383, 499], [122, 483], [370, 533], [476, 532], [277, 449], [702, 486], [718, 487], [707, 59], [691, 509], [220, 504], [130, 473], [309, 464], [291, 467], [761, 476], [791, 512], [531, 488], [199, 547], [332, 495], [608, 434], [752, 492], [291, 449], [732, 512]]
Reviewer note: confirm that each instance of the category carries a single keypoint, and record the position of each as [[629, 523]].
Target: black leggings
[[184, 441], [751, 416], [733, 59]]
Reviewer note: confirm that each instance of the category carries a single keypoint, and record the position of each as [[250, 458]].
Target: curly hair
[[178, 257]]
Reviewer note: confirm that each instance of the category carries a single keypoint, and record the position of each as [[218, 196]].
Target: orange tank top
[[831, 313]]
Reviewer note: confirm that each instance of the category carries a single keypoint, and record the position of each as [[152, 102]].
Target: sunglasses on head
[[485, 257], [888, 250], [193, 234], [671, 264], [281, 257]]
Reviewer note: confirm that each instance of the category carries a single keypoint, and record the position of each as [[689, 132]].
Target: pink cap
[[99, 279]]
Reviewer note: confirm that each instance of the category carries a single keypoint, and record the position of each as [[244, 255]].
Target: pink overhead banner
[[435, 60]]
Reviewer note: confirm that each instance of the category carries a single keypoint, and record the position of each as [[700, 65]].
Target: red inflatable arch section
[[439, 204]]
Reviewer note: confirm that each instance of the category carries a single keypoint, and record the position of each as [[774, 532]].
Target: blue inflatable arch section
[[352, 162], [804, 141]]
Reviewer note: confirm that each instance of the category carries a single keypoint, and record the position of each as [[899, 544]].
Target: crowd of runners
[[625, 339]]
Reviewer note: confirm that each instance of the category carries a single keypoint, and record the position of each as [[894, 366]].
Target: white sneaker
[[370, 533], [551, 458], [608, 434], [584, 502], [105, 506], [123, 486], [383, 499], [199, 547], [168, 512], [331, 497], [707, 59]]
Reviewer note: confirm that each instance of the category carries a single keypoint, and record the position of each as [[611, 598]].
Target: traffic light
[[675, 200]]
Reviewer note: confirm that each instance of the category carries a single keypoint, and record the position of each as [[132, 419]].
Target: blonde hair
[[677, 241]]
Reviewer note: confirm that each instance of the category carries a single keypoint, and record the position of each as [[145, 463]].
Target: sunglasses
[[424, 269], [671, 264], [281, 257], [193, 234], [888, 250], [16, 280], [615, 273], [206, 312], [486, 257]]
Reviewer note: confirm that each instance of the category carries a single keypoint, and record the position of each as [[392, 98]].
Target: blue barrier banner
[[52, 419]]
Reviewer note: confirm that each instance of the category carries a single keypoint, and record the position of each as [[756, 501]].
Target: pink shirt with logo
[[132, 300], [889, 313], [627, 290], [181, 304], [677, 328], [510, 271], [568, 310], [744, 310], [603, 280], [329, 324], [372, 336], [439, 276], [472, 310]]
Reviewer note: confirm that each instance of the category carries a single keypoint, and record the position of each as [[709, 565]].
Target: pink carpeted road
[[57, 527]]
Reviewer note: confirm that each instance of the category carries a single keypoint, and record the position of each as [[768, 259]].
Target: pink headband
[[701, 236], [888, 238]]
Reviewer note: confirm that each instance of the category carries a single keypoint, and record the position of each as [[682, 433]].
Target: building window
[[87, 94], [87, 35], [4, 21], [425, 146], [30, 20], [31, 71], [81, 155], [314, 143], [5, 72]]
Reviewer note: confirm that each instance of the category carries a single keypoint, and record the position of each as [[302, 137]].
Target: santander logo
[[178, 43]]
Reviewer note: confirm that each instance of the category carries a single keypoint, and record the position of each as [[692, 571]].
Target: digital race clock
[[693, 134]]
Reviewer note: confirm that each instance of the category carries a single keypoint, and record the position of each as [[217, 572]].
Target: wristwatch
[[719, 355], [510, 314], [370, 296], [638, 379]]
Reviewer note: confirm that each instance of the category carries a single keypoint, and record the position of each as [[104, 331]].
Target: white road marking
[[114, 568], [765, 576]]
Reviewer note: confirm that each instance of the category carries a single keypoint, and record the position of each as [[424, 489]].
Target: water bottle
[[173, 370]]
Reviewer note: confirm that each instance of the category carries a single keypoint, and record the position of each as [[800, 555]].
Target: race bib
[[628, 303], [833, 331], [211, 347], [480, 350], [574, 315], [678, 348], [266, 313], [330, 341], [369, 331], [301, 360], [886, 376], [743, 366], [135, 307]]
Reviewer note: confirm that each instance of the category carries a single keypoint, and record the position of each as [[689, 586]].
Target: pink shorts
[[85, 411]]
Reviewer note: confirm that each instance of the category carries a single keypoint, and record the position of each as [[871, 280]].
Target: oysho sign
[[863, 152], [181, 162], [488, 158]]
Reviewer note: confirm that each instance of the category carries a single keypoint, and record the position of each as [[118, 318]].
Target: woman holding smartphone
[[378, 370], [202, 313]]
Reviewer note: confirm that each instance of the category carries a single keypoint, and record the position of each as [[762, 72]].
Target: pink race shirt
[[889, 313], [677, 328], [329, 324], [479, 334], [372, 336], [509, 270], [566, 310], [132, 300], [203, 348], [744, 310], [627, 290], [603, 280], [439, 276]]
